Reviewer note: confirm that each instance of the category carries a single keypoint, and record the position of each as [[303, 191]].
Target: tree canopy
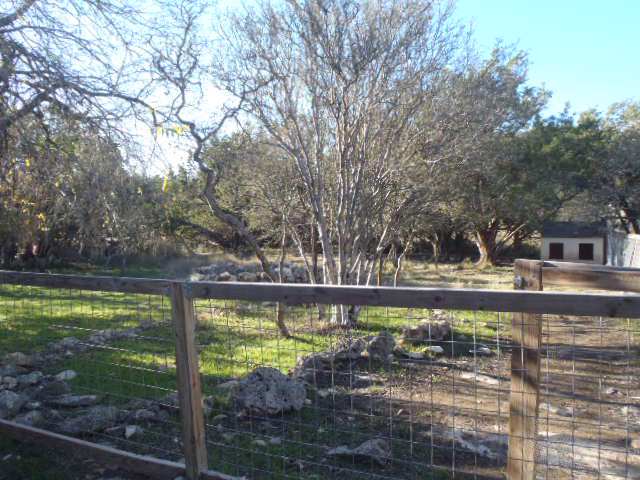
[[349, 133]]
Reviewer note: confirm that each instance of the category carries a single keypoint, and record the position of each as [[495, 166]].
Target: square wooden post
[[526, 334], [189, 388]]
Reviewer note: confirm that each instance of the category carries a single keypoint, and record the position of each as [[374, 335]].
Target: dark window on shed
[[556, 251], [585, 251]]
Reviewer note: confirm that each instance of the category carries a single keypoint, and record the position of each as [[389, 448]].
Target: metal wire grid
[[589, 424], [438, 414], [122, 350], [441, 415]]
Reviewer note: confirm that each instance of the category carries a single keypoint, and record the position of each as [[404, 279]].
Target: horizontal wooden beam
[[595, 280], [558, 303], [86, 282], [596, 277], [588, 266], [113, 457]]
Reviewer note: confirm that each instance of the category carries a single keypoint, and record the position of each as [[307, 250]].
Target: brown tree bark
[[281, 307], [485, 240]]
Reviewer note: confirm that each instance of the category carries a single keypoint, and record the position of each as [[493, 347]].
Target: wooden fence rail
[[527, 304], [553, 303]]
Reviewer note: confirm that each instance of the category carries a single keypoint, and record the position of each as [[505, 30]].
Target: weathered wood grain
[[558, 303], [526, 336], [189, 387], [86, 282]]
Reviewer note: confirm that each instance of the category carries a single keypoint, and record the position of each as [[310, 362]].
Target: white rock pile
[[229, 271]]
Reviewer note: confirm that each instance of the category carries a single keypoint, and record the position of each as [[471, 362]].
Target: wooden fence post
[[526, 334], [189, 388]]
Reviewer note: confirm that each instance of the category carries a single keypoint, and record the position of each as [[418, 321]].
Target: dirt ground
[[444, 415]]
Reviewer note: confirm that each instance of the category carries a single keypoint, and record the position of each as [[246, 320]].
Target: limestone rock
[[34, 418], [132, 431], [226, 277], [8, 371], [377, 450], [9, 382], [219, 418], [561, 411], [381, 346], [482, 350], [11, 403], [427, 331], [73, 401], [479, 377], [32, 378], [55, 389], [145, 415], [247, 277], [19, 359], [268, 391], [228, 386], [66, 375], [67, 344], [95, 419], [350, 349], [486, 445]]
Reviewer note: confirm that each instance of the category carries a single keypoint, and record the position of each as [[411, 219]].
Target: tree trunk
[[399, 260], [314, 254], [345, 316], [518, 240], [380, 270], [280, 307], [434, 241], [485, 240]]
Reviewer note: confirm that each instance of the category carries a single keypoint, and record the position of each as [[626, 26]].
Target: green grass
[[232, 344], [31, 317], [234, 338]]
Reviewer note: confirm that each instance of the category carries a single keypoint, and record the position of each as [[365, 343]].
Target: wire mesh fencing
[[411, 393], [404, 393], [322, 390], [93, 365], [589, 414]]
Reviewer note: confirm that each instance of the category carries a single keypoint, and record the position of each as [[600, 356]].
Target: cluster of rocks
[[341, 365], [377, 449], [35, 399], [229, 271], [346, 365], [31, 397], [437, 328], [69, 346], [266, 391]]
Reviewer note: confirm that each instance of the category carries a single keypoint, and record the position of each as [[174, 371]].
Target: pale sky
[[585, 51]]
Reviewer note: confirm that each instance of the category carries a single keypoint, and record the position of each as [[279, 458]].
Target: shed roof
[[574, 229]]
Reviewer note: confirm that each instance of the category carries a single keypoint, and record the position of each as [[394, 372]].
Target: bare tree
[[337, 86], [71, 56], [179, 67], [75, 59]]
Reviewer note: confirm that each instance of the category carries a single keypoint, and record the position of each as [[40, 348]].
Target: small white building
[[575, 242]]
